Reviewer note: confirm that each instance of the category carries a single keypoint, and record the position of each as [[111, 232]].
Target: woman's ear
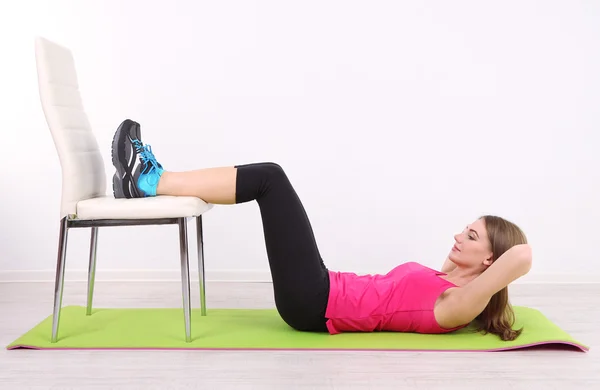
[[490, 260]]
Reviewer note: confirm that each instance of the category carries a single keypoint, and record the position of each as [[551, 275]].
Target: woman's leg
[[300, 278], [212, 185]]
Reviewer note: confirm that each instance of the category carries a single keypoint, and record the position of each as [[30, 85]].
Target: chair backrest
[[82, 165]]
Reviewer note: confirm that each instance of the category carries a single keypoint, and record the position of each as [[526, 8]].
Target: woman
[[489, 254]]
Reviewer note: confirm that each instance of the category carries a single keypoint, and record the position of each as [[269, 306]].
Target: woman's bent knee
[[272, 166], [273, 171]]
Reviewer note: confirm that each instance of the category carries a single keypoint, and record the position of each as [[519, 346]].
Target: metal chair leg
[[92, 269], [60, 277], [201, 274], [185, 277]]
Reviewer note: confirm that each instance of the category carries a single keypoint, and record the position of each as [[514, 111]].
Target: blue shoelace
[[146, 155], [137, 144]]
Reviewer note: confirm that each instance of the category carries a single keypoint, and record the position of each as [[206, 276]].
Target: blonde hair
[[498, 316]]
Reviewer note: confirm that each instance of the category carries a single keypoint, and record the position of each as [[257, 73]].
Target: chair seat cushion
[[107, 207]]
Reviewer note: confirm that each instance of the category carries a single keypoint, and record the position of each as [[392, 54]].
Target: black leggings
[[300, 278]]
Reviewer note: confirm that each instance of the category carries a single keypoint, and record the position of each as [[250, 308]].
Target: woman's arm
[[467, 302]]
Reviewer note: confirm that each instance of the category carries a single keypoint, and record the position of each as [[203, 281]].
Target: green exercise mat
[[262, 329]]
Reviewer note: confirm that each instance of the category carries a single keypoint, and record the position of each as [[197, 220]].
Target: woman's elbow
[[525, 256]]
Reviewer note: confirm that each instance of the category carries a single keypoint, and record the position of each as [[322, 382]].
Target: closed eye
[[474, 231]]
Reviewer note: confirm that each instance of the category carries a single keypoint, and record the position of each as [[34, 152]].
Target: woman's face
[[472, 248]]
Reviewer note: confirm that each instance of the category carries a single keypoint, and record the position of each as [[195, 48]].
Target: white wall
[[398, 123]]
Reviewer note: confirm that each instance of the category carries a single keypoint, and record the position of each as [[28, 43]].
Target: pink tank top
[[401, 300]]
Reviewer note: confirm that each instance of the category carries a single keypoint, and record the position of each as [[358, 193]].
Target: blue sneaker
[[147, 174], [126, 145], [134, 177]]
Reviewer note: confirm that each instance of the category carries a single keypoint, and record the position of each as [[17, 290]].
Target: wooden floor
[[575, 308]]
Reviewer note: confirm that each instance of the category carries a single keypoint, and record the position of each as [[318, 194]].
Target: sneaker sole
[[124, 155]]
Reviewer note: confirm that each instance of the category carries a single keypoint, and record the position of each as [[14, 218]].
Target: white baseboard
[[143, 275], [239, 276]]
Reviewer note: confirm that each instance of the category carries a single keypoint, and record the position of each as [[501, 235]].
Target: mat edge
[[581, 347]]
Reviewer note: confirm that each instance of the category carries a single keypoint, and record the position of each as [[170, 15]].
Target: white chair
[[84, 202]]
